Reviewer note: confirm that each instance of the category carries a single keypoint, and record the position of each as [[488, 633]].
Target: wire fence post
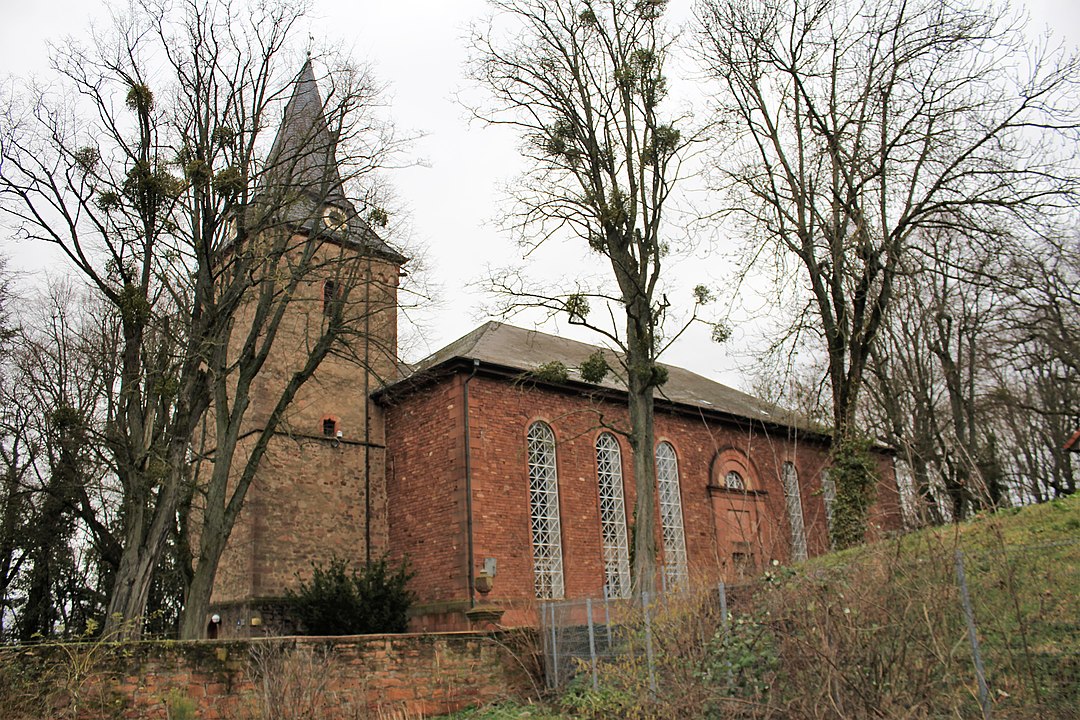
[[969, 616], [723, 606], [607, 618], [592, 645], [648, 642], [554, 680]]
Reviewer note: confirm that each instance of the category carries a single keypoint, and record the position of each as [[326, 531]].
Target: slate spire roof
[[303, 175], [304, 150]]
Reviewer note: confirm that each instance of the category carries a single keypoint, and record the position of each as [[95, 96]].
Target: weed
[[180, 707]]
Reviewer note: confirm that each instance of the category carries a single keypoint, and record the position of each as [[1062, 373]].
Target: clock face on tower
[[335, 219]]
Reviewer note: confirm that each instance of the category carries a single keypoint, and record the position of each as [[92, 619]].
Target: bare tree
[[1046, 282], [971, 378], [65, 383], [59, 546], [932, 374], [18, 453], [583, 83], [158, 193], [1037, 402], [856, 126]]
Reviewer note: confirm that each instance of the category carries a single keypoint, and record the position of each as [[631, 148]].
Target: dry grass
[[874, 632]]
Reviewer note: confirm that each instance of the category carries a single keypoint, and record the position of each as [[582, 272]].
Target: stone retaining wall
[[371, 676]]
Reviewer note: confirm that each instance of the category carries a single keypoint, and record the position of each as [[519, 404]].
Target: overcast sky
[[417, 48]]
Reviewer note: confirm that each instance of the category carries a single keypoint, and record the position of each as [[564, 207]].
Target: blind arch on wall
[[731, 469], [789, 476], [612, 516], [671, 516], [544, 512]]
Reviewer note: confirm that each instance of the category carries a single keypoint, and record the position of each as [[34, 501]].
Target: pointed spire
[[303, 156], [302, 176]]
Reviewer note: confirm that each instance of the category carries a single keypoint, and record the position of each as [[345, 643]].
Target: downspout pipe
[[367, 415], [468, 488]]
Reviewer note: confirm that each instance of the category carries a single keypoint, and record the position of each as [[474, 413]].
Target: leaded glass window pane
[[828, 491], [734, 481], [671, 517], [612, 516], [544, 507], [790, 478]]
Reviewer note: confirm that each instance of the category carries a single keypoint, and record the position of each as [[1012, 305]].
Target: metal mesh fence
[[579, 635]]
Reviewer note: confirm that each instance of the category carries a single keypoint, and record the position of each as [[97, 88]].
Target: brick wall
[[424, 446], [425, 488], [352, 677]]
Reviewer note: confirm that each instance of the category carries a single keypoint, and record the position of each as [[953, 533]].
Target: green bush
[[341, 600], [581, 701], [741, 660]]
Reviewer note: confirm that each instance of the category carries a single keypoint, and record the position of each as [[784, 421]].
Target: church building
[[501, 482]]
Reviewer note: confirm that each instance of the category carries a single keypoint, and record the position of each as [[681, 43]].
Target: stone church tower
[[320, 488]]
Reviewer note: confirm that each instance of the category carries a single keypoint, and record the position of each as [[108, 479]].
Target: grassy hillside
[[876, 631]]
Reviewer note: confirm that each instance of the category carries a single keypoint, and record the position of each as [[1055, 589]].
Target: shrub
[[341, 600]]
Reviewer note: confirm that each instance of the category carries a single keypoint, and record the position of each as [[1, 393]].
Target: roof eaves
[[458, 363]]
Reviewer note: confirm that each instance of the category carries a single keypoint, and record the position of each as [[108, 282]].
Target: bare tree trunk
[[143, 548], [131, 588], [197, 602], [642, 439]]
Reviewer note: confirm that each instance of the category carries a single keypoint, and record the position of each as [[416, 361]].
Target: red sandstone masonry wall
[[226, 680], [312, 498], [337, 389], [698, 444], [307, 503], [500, 414]]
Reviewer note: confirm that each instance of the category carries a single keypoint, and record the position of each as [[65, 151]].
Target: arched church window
[[329, 295], [612, 516], [544, 511], [671, 517], [793, 498], [734, 481]]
